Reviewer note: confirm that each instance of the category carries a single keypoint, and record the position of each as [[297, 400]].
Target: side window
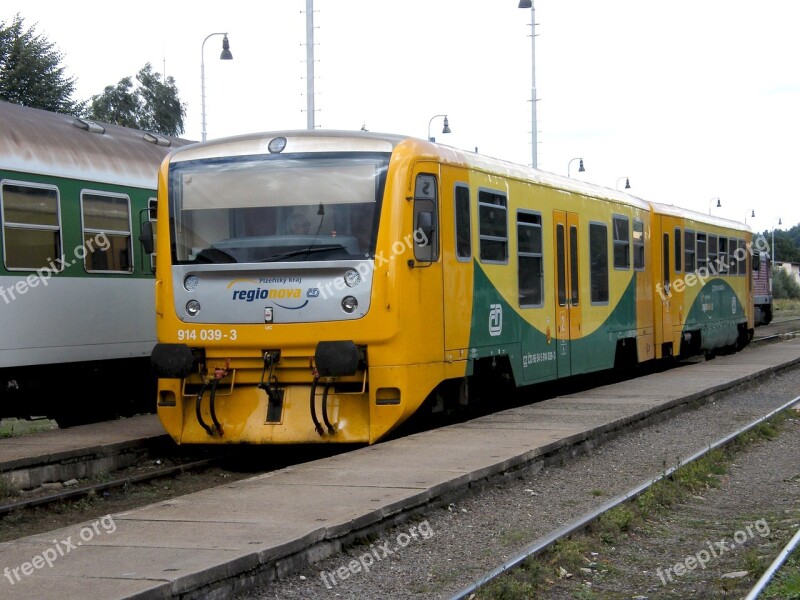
[[463, 229], [106, 232], [713, 264], [426, 225], [31, 226], [678, 251], [688, 251], [152, 212], [598, 255], [638, 244], [702, 252], [722, 257], [622, 243], [493, 226], [530, 266], [741, 253], [733, 267]]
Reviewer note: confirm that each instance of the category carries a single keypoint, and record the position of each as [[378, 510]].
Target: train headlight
[[192, 308], [190, 283], [349, 304], [352, 278]]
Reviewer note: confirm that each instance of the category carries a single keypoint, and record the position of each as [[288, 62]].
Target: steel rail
[[768, 575], [585, 520], [106, 485]]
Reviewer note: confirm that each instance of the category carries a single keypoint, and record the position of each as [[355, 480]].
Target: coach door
[[567, 288], [669, 248]]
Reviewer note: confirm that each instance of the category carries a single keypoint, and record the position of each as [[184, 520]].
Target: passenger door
[[567, 289]]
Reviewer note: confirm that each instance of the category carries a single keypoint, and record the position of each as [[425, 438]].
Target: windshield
[[273, 208]]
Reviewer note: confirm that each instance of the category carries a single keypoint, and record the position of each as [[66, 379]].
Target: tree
[[31, 73], [784, 285], [152, 106]]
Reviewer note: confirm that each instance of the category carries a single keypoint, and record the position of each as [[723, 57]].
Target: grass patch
[[18, 427]]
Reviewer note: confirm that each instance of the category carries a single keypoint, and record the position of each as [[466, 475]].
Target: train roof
[[343, 140], [676, 211], [43, 142], [304, 140]]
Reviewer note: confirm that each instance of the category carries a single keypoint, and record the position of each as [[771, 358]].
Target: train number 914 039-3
[[206, 334]]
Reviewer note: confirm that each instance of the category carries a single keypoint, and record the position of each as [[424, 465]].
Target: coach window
[[463, 229], [598, 256], [678, 251], [106, 232], [622, 243], [31, 226], [722, 257], [638, 244], [530, 270], [493, 227], [426, 226], [733, 264], [688, 251], [702, 251], [713, 265], [741, 254]]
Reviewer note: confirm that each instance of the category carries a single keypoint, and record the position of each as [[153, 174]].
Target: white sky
[[690, 99]]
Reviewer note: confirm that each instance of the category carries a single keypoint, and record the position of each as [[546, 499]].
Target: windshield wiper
[[214, 255], [283, 255]]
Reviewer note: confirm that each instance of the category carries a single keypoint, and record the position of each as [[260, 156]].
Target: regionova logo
[[270, 288]]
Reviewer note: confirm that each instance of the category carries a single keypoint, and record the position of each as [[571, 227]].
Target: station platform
[[30, 460], [202, 544]]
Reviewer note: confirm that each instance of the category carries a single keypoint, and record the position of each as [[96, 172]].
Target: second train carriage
[[76, 291], [762, 289], [320, 286]]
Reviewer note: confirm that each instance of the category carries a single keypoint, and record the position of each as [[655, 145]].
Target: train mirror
[[147, 237]]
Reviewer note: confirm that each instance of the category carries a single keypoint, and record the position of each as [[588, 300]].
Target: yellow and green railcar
[[321, 286]]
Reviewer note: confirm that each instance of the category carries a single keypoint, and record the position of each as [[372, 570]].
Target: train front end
[[266, 279]]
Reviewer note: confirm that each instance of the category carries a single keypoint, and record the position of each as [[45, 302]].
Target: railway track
[[589, 518], [97, 488]]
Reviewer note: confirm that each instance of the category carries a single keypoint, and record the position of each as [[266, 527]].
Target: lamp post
[[534, 142], [445, 129], [752, 215], [580, 165], [627, 182], [772, 247], [719, 204], [226, 55]]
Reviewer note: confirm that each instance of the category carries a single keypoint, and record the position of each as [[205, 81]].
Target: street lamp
[[529, 4], [719, 204], [445, 129], [226, 55], [772, 247], [752, 215], [580, 165], [627, 182]]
